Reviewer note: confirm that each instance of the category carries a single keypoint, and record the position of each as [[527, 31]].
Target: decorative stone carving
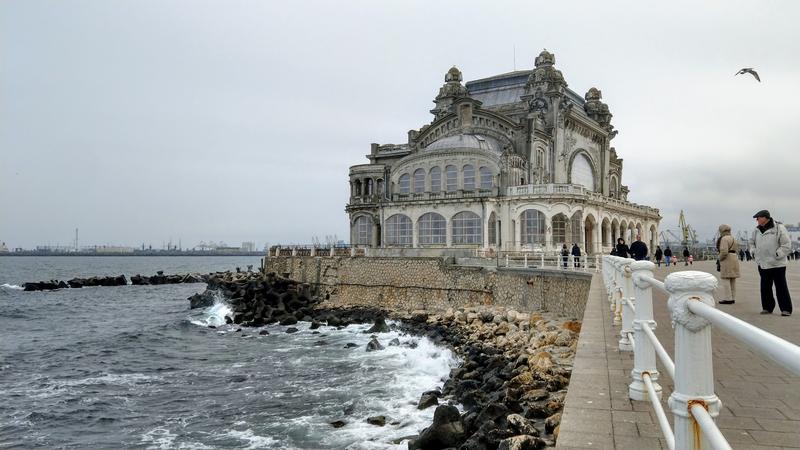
[[596, 109], [545, 76], [451, 90], [685, 287]]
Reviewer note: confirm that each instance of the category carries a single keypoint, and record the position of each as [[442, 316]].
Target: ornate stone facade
[[515, 162]]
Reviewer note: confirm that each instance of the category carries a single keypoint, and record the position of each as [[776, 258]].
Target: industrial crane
[[689, 235]]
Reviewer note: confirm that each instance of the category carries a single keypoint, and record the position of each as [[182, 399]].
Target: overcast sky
[[141, 121]]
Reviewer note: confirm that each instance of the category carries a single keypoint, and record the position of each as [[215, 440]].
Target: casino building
[[513, 162]]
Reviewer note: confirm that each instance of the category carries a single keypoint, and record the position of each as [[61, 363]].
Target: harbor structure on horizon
[[514, 162]]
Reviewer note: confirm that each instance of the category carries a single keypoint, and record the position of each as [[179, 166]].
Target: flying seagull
[[750, 71]]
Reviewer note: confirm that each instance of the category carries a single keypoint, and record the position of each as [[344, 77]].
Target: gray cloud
[[237, 120]]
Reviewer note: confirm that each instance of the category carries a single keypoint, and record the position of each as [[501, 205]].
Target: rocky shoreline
[[512, 382], [119, 280]]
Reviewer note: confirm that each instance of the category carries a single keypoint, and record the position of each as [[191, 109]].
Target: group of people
[[772, 248]]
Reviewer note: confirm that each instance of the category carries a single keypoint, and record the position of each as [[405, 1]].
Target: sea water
[[133, 367]]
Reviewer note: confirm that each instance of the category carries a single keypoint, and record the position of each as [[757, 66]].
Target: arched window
[[532, 225], [363, 231], [398, 230], [368, 187], [405, 181], [469, 177], [492, 229], [452, 178], [486, 177], [380, 186], [436, 179], [466, 228], [559, 223], [582, 172], [419, 181], [431, 229], [576, 221], [357, 188]]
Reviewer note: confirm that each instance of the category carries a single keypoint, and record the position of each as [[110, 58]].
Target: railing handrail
[[693, 402]]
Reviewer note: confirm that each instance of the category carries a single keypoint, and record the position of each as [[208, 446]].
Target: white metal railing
[[693, 403], [530, 260]]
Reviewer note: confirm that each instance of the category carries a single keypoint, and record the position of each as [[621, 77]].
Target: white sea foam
[[162, 438], [12, 286], [213, 315], [253, 441]]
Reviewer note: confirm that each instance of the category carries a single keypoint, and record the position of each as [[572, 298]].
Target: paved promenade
[[761, 401]]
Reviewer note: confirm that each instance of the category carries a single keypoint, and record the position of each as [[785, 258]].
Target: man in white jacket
[[772, 244]]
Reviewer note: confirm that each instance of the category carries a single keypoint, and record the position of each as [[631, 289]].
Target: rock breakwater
[[511, 385]]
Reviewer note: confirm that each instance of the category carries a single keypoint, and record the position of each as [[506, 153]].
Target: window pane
[[532, 224], [436, 179], [559, 229], [398, 230], [404, 183], [492, 229], [486, 178], [363, 231], [419, 180], [582, 172], [466, 228], [452, 178], [469, 177], [432, 229]]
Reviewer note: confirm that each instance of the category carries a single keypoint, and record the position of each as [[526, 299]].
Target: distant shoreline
[[138, 253]]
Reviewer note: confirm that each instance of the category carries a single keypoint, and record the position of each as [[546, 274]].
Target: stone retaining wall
[[413, 283]]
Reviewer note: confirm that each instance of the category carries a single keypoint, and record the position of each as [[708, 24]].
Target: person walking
[[667, 255], [659, 255], [622, 248], [638, 249], [686, 256], [576, 253], [771, 244], [728, 264]]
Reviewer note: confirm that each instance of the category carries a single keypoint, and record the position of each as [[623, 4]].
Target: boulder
[[374, 345], [445, 431], [350, 345], [379, 326], [522, 442], [291, 330], [427, 400], [377, 420], [552, 422], [203, 300], [521, 425], [338, 424]]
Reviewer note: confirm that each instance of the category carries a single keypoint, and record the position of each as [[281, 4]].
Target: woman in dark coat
[[576, 253], [622, 248], [659, 255]]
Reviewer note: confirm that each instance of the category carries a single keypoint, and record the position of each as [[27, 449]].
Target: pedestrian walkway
[[761, 400]]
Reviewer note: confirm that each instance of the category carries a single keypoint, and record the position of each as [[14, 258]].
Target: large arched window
[[582, 172], [432, 229], [398, 230], [532, 225], [613, 188], [368, 187], [559, 223], [452, 178], [466, 228], [362, 234], [419, 181], [436, 179], [469, 177], [492, 229], [486, 177], [405, 181]]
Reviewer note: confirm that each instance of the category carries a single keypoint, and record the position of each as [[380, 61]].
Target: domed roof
[[466, 141]]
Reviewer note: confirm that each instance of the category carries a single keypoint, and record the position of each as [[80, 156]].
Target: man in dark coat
[[638, 249], [576, 253], [659, 255], [686, 256], [668, 255]]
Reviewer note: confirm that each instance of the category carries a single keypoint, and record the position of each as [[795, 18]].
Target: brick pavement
[[761, 400]]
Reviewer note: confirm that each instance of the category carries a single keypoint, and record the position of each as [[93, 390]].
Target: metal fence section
[[693, 403]]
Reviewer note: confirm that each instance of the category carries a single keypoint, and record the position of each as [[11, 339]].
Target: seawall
[[434, 284]]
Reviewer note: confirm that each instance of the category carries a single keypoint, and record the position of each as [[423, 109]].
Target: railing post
[[644, 355], [694, 370], [596, 263], [333, 251], [625, 344], [526, 260], [542, 259], [352, 251], [506, 259], [313, 251], [294, 251]]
